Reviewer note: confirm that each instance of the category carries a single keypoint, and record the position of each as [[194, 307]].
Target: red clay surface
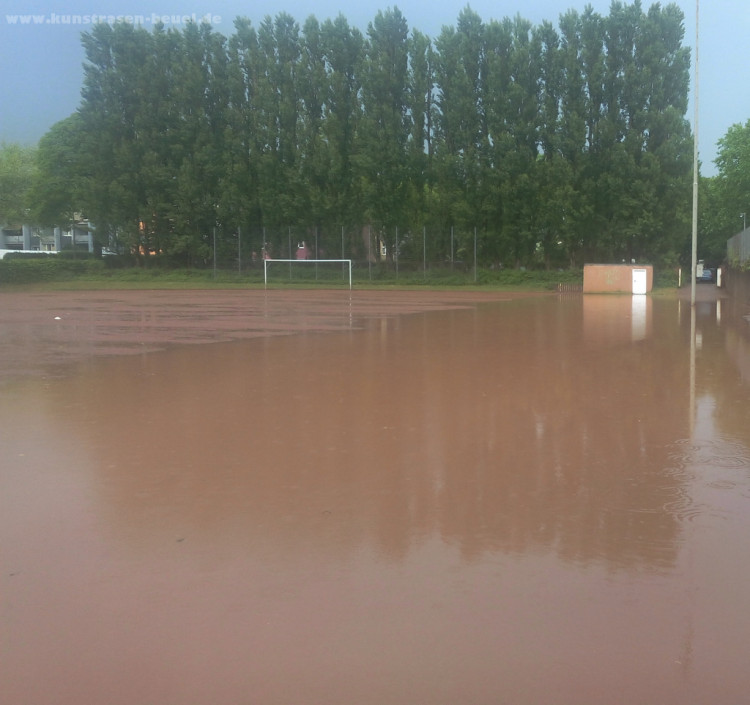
[[40, 333]]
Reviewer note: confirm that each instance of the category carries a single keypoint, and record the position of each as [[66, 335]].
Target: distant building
[[36, 239], [617, 278]]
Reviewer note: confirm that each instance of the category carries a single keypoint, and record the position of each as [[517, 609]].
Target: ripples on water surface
[[531, 501]]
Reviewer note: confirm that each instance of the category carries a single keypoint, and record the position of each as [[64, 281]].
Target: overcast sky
[[40, 63]]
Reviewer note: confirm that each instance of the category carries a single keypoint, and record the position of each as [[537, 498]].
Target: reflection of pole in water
[[639, 317], [691, 409], [685, 660]]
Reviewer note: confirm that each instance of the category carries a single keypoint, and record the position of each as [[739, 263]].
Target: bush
[[76, 255], [666, 278], [47, 268], [122, 270]]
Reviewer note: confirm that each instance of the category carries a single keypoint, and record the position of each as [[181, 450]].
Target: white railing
[[26, 252]]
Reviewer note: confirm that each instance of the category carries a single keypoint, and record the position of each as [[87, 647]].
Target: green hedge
[[47, 268]]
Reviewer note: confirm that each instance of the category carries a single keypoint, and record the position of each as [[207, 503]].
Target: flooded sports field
[[373, 498]]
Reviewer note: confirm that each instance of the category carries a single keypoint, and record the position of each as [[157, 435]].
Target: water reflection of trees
[[569, 440], [501, 429]]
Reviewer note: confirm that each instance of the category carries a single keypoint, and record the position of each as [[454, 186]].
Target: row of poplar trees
[[557, 145]]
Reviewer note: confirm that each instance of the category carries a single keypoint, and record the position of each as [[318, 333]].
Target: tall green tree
[[646, 184], [554, 177], [314, 151], [198, 134], [244, 142], [725, 198], [733, 165], [18, 168], [716, 223], [114, 77], [576, 214], [159, 146], [464, 174], [420, 114], [344, 55], [384, 130], [514, 117], [555, 144], [57, 189]]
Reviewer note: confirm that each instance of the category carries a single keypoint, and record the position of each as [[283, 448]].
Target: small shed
[[618, 278]]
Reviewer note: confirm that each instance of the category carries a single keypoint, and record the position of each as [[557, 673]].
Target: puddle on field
[[540, 501]]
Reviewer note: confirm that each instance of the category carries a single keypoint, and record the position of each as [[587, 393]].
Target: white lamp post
[[694, 247]]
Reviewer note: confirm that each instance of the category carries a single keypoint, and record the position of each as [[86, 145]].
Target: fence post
[[395, 252], [475, 254]]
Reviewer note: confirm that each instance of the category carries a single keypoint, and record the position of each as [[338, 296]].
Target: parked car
[[709, 275]]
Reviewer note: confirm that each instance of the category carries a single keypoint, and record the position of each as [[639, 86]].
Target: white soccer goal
[[324, 270]]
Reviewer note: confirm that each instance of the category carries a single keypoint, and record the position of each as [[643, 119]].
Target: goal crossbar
[[305, 261]]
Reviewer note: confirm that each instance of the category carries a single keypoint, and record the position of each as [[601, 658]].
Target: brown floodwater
[[540, 500]]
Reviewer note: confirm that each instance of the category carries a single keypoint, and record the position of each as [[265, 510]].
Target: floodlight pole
[[694, 246]]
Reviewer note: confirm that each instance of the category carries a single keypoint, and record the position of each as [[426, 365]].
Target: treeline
[[555, 144]]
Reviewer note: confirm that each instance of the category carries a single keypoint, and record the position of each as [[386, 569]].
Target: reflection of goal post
[[345, 263]]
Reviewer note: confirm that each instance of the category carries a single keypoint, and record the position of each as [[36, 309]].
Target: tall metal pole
[[694, 248]]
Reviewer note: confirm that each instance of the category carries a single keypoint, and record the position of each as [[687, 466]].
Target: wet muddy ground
[[41, 333], [398, 497]]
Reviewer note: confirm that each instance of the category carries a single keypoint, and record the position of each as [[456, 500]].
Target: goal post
[[346, 265]]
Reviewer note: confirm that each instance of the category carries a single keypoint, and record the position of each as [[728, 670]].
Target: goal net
[[333, 272]]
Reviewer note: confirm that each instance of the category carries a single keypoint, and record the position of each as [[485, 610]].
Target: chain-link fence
[[376, 252]]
